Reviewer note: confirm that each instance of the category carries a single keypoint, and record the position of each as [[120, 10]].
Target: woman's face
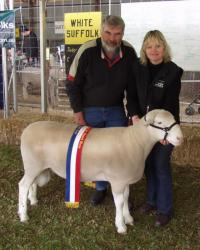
[[154, 51]]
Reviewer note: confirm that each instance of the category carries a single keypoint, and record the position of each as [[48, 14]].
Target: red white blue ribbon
[[73, 164]]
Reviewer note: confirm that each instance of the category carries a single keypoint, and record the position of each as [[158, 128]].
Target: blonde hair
[[156, 35]]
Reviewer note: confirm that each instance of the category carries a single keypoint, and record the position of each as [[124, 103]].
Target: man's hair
[[158, 36], [23, 28], [114, 21]]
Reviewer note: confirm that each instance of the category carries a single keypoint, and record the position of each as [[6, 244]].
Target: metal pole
[[13, 52], [43, 57], [5, 75], [109, 12]]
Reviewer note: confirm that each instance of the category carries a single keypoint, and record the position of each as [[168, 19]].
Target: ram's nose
[[179, 139]]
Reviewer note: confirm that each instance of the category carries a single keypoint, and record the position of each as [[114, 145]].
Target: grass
[[53, 226]]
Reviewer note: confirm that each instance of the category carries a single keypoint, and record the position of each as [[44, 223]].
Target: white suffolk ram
[[116, 155]]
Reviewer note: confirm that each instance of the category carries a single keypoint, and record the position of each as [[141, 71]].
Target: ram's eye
[[159, 123]]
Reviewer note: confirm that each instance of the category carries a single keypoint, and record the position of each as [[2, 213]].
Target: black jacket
[[93, 81], [31, 45], [162, 92]]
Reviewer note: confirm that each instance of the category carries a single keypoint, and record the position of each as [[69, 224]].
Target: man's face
[[25, 33], [111, 37]]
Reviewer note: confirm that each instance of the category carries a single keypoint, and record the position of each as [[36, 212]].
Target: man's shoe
[[146, 208], [98, 197], [162, 220]]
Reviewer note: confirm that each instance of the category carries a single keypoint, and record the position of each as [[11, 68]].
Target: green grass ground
[[53, 226]]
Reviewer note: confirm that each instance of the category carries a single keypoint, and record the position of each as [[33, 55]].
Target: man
[[98, 78], [30, 45]]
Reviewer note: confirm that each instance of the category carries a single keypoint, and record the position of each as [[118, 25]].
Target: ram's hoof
[[129, 220], [122, 230], [23, 218], [33, 202]]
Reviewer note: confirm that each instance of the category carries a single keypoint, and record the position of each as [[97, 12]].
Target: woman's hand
[[164, 142]]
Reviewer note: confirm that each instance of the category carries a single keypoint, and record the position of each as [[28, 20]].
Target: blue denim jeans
[[159, 178], [103, 117]]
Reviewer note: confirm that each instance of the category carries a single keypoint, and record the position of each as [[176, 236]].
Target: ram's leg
[[32, 194], [24, 186], [119, 219], [42, 179], [127, 217]]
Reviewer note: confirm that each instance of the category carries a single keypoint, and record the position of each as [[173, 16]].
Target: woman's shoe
[[162, 220]]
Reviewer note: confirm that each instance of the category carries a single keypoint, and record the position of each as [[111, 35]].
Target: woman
[[157, 85]]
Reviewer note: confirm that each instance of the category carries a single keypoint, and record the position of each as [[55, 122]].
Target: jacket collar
[[161, 74]]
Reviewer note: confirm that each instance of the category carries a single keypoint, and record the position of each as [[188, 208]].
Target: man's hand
[[135, 119], [79, 118]]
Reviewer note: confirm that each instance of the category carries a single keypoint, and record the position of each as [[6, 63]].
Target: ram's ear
[[150, 116]]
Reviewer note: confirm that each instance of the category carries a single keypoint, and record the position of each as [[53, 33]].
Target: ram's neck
[[140, 137]]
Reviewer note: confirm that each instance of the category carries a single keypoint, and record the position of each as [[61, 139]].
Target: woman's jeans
[[104, 117], [159, 178]]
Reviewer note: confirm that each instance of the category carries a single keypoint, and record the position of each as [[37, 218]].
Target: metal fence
[[28, 75]]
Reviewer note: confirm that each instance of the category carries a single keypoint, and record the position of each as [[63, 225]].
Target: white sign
[[179, 21], [59, 27]]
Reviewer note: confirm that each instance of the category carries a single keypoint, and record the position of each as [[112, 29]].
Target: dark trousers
[[102, 117], [159, 178]]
